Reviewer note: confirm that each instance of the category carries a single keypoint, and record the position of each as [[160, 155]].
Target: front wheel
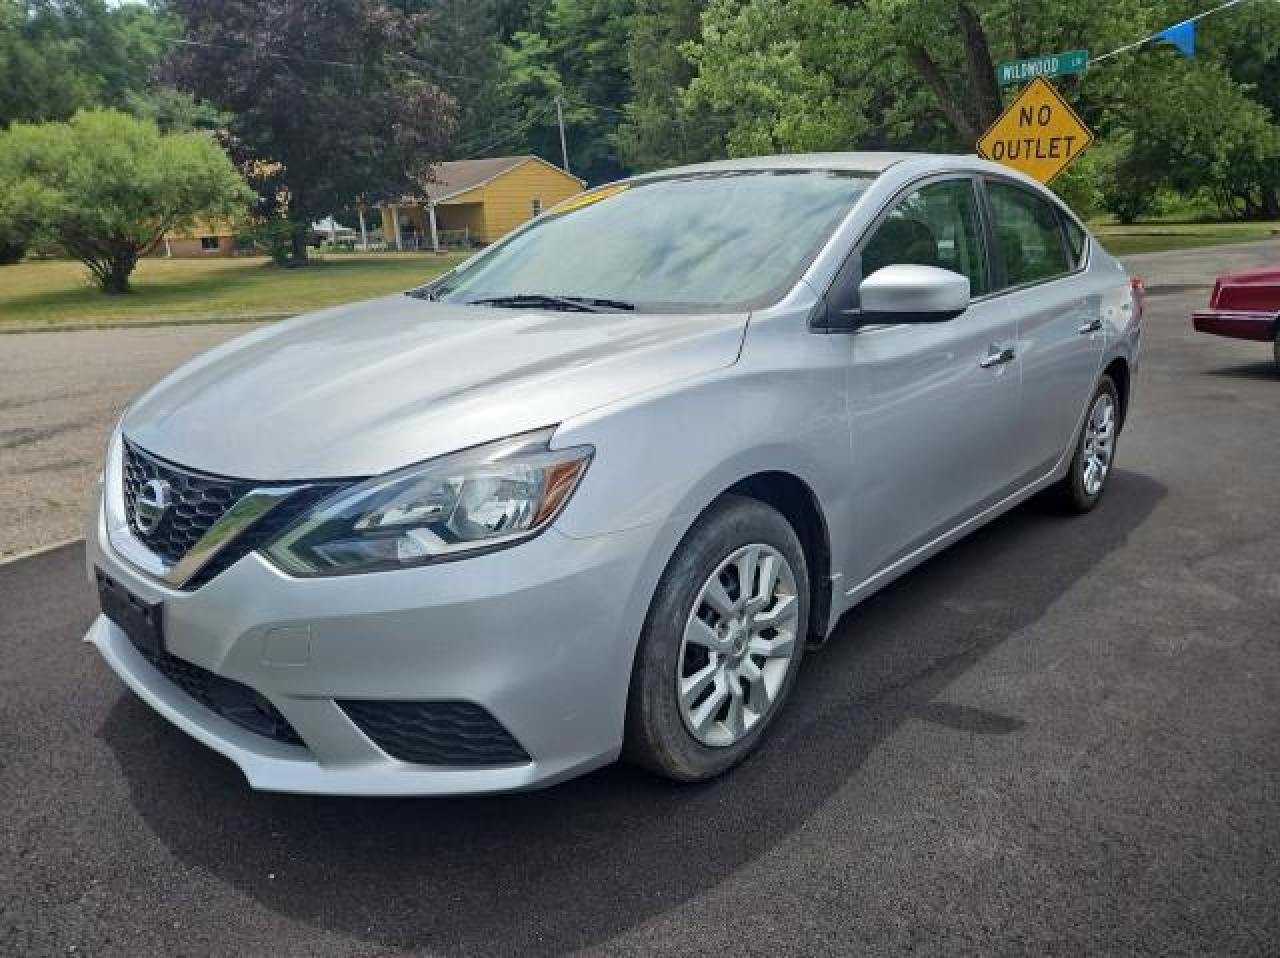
[[1095, 451], [721, 645]]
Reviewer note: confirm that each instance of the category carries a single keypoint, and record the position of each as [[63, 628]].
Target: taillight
[[1138, 290]]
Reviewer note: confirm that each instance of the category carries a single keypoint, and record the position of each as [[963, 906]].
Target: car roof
[[863, 162], [872, 164]]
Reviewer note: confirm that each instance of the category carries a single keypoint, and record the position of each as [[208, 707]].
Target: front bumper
[[542, 636]]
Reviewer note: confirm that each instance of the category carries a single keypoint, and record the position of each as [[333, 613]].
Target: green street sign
[[1049, 65]]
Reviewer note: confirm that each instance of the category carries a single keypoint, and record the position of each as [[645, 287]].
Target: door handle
[[1092, 326], [997, 357]]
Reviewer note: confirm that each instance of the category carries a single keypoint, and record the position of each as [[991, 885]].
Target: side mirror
[[903, 293]]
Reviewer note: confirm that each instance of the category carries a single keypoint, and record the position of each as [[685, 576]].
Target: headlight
[[471, 501]]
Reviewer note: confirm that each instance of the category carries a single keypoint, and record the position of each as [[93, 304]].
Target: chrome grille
[[199, 500]]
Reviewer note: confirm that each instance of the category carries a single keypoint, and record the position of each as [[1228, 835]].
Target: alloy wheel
[[737, 646], [1099, 443]]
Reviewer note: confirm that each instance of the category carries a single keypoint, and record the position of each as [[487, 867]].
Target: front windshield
[[695, 242]]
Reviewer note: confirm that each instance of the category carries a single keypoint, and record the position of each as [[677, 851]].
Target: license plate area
[[142, 622]]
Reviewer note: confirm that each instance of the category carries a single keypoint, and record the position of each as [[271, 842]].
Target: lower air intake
[[235, 702], [436, 733]]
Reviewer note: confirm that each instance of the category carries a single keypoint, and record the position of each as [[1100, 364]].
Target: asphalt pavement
[[1058, 737]]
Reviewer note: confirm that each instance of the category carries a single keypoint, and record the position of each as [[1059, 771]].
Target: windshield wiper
[[580, 304]]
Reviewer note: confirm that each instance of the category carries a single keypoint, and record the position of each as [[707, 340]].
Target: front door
[[933, 407]]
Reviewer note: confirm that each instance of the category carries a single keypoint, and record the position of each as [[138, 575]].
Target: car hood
[[364, 389]]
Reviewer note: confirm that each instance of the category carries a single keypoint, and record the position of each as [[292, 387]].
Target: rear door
[[933, 406], [1040, 255]]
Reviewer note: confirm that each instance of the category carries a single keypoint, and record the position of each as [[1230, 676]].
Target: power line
[[274, 56], [1133, 46], [432, 74], [598, 106], [511, 133]]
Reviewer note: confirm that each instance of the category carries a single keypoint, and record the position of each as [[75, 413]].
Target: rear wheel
[[1275, 346], [722, 643], [1095, 451]]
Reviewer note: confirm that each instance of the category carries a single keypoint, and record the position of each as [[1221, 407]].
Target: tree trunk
[[301, 233], [943, 93], [12, 250], [982, 71], [115, 278], [1270, 203]]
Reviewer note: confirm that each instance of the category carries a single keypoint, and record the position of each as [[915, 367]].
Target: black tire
[[657, 736], [1070, 493], [1275, 346]]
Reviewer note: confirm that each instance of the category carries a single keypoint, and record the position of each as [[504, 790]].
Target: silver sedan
[[592, 493]]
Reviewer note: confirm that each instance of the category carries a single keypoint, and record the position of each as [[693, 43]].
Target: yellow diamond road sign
[[1038, 135]]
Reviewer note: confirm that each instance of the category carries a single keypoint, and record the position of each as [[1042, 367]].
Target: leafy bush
[[107, 187], [275, 237]]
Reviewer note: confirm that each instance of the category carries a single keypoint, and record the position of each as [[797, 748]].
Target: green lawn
[[1157, 237], [58, 292]]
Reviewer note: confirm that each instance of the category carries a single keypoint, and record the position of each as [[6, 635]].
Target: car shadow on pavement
[[550, 871], [1262, 370]]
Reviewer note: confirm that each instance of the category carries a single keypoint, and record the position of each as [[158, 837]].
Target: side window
[[937, 225], [1075, 238], [1027, 234]]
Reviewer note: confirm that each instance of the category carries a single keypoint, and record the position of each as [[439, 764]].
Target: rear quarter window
[[1075, 239], [1028, 234]]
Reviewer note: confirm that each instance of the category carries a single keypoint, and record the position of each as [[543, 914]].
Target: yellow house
[[202, 238], [476, 201]]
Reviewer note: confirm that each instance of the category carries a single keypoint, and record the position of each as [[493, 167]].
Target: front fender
[[664, 457]]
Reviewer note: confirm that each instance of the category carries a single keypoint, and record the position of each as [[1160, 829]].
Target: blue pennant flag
[[1181, 35]]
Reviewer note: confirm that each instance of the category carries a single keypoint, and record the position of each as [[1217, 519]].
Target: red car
[[1244, 305]]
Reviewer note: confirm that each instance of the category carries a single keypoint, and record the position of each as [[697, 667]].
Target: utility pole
[[564, 149]]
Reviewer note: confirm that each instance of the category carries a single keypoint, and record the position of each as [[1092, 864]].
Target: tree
[[832, 74], [787, 74], [919, 74], [57, 56], [660, 129], [175, 111], [1233, 133], [577, 50], [329, 89], [107, 187], [463, 42], [589, 40], [1230, 148], [13, 245]]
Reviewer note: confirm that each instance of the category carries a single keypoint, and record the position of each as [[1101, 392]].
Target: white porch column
[[395, 223], [431, 218], [364, 234]]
